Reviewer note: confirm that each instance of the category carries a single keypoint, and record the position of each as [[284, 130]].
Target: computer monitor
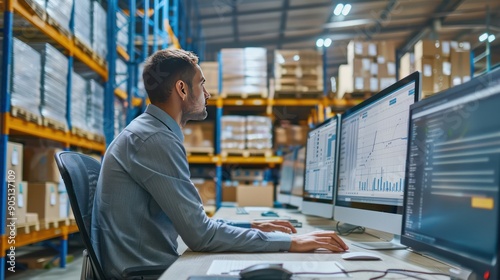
[[298, 178], [451, 203], [372, 160], [286, 178], [320, 171]]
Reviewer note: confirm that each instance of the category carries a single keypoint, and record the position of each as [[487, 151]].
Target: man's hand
[[316, 240], [274, 225]]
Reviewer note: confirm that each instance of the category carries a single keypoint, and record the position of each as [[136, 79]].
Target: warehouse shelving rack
[[13, 126]]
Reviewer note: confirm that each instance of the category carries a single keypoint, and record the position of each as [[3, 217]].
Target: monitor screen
[[451, 202], [298, 178], [372, 160], [320, 169], [286, 178]]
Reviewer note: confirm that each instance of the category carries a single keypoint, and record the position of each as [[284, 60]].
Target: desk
[[195, 263]]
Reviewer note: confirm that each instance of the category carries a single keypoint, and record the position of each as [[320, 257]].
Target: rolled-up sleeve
[[170, 186]]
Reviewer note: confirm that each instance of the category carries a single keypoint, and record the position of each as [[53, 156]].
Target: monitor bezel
[[306, 199], [455, 257]]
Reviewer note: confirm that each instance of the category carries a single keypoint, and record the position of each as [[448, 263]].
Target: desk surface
[[195, 263]]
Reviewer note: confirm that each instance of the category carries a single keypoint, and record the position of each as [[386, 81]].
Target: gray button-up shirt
[[145, 200]]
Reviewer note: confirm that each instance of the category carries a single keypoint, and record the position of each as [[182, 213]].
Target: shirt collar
[[166, 119]]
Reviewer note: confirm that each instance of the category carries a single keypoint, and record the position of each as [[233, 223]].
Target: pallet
[[247, 152], [298, 94], [83, 46], [101, 61], [26, 228], [209, 151], [54, 223], [39, 11], [21, 113], [80, 132], [96, 137], [52, 22], [244, 95], [57, 125]]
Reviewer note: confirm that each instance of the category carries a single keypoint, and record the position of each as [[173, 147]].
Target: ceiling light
[[319, 43], [491, 38], [346, 9], [327, 42], [338, 9], [483, 37], [296, 57]]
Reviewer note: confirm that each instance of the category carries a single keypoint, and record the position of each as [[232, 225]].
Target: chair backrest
[[80, 174]]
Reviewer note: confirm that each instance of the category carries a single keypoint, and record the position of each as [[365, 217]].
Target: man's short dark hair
[[165, 67]]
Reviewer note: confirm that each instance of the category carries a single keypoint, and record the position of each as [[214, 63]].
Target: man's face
[[195, 107]]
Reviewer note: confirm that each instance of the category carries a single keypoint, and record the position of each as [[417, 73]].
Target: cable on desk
[[345, 232], [409, 273]]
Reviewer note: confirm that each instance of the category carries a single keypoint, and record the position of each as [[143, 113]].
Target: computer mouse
[[360, 256], [266, 271], [269, 214]]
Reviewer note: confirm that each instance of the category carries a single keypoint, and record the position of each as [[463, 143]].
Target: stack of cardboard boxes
[[248, 187], [211, 72], [443, 64], [240, 133], [244, 72], [298, 71], [290, 135], [370, 67], [199, 137]]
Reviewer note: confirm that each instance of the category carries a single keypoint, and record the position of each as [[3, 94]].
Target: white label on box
[[456, 81], [63, 205], [53, 199], [358, 48], [445, 47], [372, 49], [466, 79], [20, 200], [391, 68], [374, 69], [359, 83], [380, 59], [446, 68], [454, 44], [427, 70], [15, 157], [367, 64], [465, 46], [373, 84]]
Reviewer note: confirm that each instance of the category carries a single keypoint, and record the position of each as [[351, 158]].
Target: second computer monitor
[[320, 169], [372, 159]]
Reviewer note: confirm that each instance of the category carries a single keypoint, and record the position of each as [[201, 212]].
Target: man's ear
[[180, 89]]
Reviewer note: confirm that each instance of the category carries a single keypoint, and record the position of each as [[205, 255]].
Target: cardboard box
[[460, 66], [31, 218], [228, 192], [199, 134], [44, 200], [386, 52], [280, 137], [40, 165], [297, 134], [15, 160], [427, 48], [361, 49], [406, 65], [211, 72], [17, 201], [206, 189], [361, 67], [248, 195], [387, 70], [425, 66]]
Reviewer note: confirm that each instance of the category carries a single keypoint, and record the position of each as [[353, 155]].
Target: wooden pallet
[[54, 223], [209, 151], [80, 132], [101, 61], [48, 122], [52, 22], [244, 95], [96, 137], [83, 46], [21, 113], [247, 152], [39, 11], [298, 94], [26, 228]]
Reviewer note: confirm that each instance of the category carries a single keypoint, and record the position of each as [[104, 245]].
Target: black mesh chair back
[[80, 174]]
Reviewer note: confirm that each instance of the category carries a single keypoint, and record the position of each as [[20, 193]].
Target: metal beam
[[445, 6], [235, 21], [284, 16], [383, 17]]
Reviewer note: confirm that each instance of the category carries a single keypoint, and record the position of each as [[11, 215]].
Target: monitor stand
[[384, 245]]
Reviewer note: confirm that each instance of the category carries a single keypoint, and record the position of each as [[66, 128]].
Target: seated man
[[145, 198]]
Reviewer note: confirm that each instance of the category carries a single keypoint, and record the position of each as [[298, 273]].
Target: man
[[144, 197]]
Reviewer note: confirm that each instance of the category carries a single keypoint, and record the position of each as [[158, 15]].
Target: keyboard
[[241, 211]]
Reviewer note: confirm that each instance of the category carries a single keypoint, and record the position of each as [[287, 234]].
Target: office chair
[[80, 173]]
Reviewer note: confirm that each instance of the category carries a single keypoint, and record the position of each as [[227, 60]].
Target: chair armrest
[[144, 272]]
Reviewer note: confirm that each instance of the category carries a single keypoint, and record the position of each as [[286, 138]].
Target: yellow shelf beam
[[61, 39], [252, 160], [204, 159], [17, 126], [23, 239], [123, 53]]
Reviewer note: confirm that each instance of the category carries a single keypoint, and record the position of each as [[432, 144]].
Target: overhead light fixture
[[296, 57], [491, 38], [483, 37], [338, 9], [319, 42], [327, 42], [346, 9]]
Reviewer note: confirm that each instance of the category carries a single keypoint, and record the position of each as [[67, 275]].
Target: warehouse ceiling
[[297, 24]]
